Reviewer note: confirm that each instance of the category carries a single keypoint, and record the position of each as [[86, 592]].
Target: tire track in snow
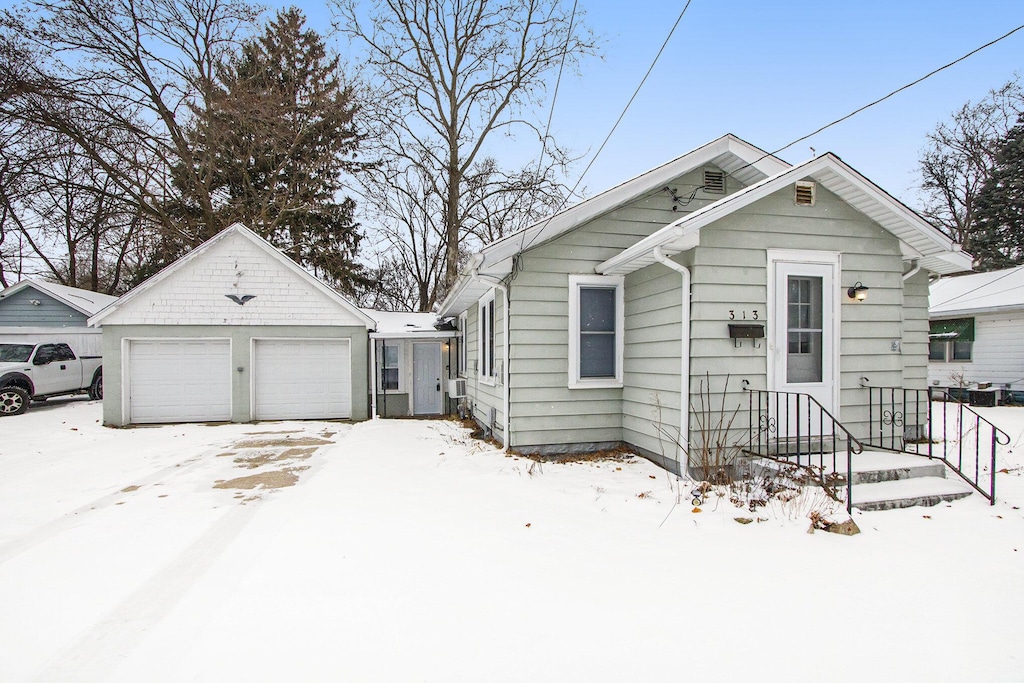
[[44, 532], [94, 654]]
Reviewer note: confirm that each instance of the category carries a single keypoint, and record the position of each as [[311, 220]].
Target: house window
[[595, 331], [951, 340], [463, 321], [486, 336], [390, 367]]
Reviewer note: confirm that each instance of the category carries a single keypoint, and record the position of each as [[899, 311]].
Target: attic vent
[[714, 182], [805, 193]]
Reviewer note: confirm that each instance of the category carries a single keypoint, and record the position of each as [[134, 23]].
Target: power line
[[884, 98], [558, 83], [1010, 272], [617, 122]]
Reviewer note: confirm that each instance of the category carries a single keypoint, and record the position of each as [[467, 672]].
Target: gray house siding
[[487, 394], [729, 273], [915, 331], [548, 416], [240, 336], [17, 310]]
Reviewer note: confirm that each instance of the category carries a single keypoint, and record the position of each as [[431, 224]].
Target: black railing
[[795, 428], [931, 423]]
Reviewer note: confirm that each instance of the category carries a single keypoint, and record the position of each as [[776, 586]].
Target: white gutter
[[684, 392], [913, 271], [474, 275]]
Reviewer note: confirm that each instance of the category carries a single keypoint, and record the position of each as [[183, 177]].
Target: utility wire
[[1007, 274], [558, 83], [617, 122], [882, 99]]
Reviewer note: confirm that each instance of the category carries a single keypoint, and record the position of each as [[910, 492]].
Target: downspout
[[508, 355], [913, 271], [684, 394], [373, 379]]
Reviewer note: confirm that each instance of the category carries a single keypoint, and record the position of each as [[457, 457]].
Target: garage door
[[171, 380], [302, 379]]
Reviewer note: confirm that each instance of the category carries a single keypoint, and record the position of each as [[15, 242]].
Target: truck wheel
[[13, 401], [96, 388]]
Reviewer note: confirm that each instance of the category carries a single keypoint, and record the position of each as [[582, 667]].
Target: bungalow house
[[615, 320], [976, 327], [233, 331], [34, 311]]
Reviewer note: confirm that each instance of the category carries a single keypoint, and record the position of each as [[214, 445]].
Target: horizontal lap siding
[[998, 354], [483, 394], [545, 412], [17, 310], [729, 273], [915, 331], [653, 335]]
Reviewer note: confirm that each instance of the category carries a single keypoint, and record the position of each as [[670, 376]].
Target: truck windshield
[[15, 353]]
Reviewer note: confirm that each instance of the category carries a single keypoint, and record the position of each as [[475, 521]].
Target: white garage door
[[302, 379], [172, 380]]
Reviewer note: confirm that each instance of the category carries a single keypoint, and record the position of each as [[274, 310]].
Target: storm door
[[804, 346], [426, 380]]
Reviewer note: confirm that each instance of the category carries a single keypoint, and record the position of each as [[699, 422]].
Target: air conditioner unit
[[456, 388]]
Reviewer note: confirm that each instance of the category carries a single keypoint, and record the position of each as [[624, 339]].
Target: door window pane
[[804, 329]]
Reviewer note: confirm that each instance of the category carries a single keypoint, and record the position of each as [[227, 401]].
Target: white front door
[[426, 378], [804, 344]]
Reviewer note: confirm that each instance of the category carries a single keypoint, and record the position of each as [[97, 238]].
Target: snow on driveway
[[402, 550]]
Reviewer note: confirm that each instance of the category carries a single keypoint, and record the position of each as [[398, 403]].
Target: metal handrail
[[761, 429], [888, 425]]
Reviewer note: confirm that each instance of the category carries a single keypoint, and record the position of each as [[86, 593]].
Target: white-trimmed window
[[951, 341], [485, 338], [391, 367], [596, 322], [463, 356]]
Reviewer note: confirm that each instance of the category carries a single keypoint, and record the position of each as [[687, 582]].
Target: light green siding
[[486, 393], [915, 331], [547, 415]]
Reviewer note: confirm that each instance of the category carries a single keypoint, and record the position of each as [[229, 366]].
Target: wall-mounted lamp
[[858, 292], [35, 302]]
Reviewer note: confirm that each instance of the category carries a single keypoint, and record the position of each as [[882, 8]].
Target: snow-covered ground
[[402, 550]]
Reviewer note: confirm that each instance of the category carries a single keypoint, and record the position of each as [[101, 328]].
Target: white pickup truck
[[39, 371]]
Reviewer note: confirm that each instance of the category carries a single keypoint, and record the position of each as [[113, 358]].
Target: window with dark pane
[[389, 379], [597, 332], [804, 329]]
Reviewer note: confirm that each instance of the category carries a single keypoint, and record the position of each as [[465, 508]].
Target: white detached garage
[[234, 331]]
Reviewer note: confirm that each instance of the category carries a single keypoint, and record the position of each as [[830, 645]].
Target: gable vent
[[714, 182], [805, 193]]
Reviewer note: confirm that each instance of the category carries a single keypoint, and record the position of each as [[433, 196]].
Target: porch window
[[595, 331], [951, 340], [485, 335], [390, 367]]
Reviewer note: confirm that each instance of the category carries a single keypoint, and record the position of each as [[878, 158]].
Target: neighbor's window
[[595, 331], [485, 335], [951, 340], [463, 321], [390, 367]]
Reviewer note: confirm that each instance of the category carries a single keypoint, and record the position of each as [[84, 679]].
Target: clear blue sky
[[771, 72]]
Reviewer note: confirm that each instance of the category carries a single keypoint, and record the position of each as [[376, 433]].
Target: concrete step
[[904, 493], [871, 467]]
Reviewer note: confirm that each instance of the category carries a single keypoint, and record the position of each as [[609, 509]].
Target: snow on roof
[[83, 300], [977, 293], [391, 323]]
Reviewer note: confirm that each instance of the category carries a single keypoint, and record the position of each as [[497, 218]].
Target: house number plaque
[[743, 315]]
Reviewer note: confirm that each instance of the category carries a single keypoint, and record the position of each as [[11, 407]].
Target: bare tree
[[122, 80], [960, 156], [446, 75]]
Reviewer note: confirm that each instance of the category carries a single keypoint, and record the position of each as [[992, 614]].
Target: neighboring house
[[977, 328], [414, 361], [724, 266], [33, 311], [234, 331]]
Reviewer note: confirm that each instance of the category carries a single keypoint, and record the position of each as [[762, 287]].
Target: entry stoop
[[886, 481]]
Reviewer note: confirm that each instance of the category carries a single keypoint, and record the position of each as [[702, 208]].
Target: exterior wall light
[[858, 292]]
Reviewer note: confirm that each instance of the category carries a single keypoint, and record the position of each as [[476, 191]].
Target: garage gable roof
[[235, 277], [919, 240], [82, 300]]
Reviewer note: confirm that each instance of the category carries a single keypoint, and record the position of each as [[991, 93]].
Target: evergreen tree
[[998, 240], [278, 135]]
